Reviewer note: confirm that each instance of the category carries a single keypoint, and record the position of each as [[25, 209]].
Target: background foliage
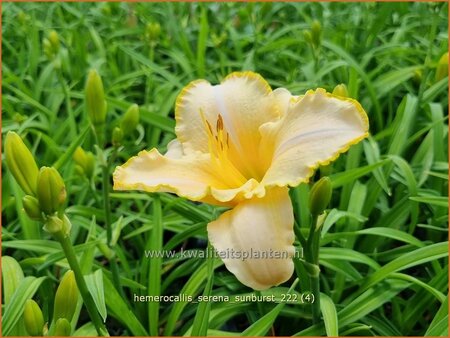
[[384, 266]]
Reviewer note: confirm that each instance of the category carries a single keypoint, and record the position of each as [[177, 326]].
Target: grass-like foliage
[[383, 249]]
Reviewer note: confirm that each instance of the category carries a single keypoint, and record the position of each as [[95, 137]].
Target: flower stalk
[[319, 199], [69, 252]]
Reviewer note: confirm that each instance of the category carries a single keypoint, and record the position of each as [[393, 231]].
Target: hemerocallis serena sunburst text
[[241, 144]]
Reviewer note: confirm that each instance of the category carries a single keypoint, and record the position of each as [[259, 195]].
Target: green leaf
[[154, 277], [14, 309], [12, 275], [413, 258], [329, 314], [439, 201], [190, 288], [94, 283], [120, 310], [349, 176], [67, 154], [201, 43], [87, 330], [439, 325], [201, 320], [262, 325]]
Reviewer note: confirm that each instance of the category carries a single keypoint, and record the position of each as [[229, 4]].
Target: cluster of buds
[[314, 35], [51, 45], [96, 108], [152, 33], [45, 190], [127, 125], [84, 162], [65, 305]]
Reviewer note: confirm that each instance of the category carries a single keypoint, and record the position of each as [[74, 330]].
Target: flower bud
[[307, 36], [19, 118], [79, 156], [152, 32], [22, 17], [316, 33], [47, 47], [85, 161], [320, 196], [51, 190], [106, 9], [95, 99], [340, 90], [117, 136], [31, 207], [20, 163], [53, 224], [417, 76], [62, 328], [54, 41], [66, 297], [442, 67], [130, 120], [33, 318]]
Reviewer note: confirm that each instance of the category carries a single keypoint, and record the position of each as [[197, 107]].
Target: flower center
[[219, 145]]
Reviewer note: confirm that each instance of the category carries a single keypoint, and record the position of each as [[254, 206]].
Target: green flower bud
[[320, 196], [316, 33], [106, 9], [62, 328], [47, 47], [20, 163], [152, 32], [31, 207], [307, 36], [66, 297], [89, 167], [95, 99], [19, 118], [22, 17], [130, 120], [85, 162], [33, 318], [54, 40], [79, 156], [53, 224], [417, 77], [51, 191], [117, 136], [340, 90], [442, 67]]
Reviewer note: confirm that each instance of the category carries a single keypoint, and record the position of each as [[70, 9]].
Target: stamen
[[219, 124], [218, 145]]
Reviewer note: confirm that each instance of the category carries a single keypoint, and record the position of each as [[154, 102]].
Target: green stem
[[81, 283], [315, 289], [66, 92], [105, 165], [107, 208], [313, 245]]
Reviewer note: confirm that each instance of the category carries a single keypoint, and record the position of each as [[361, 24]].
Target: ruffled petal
[[316, 129], [243, 100], [255, 239], [189, 176]]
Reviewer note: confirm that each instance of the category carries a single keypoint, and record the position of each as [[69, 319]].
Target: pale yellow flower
[[240, 144]]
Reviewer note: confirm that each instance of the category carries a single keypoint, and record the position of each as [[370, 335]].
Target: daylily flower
[[241, 145]]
